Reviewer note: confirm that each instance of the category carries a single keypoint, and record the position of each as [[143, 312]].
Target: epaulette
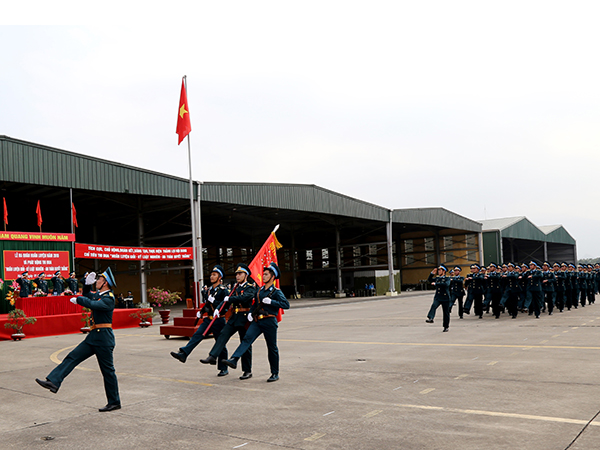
[[111, 294]]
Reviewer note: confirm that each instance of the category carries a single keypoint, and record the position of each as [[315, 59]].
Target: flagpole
[[192, 215], [72, 231]]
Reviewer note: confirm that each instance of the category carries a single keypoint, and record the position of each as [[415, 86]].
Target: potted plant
[[143, 316], [16, 320], [86, 317], [162, 298]]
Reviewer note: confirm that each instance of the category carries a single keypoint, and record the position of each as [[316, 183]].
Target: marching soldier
[[534, 289], [494, 289], [548, 282], [210, 311], [263, 320], [26, 288], [582, 284], [58, 283], [100, 341], [442, 295], [591, 283], [561, 285], [457, 291], [510, 297], [240, 300]]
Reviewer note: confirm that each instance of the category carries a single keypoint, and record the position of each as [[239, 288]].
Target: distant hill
[[589, 261]]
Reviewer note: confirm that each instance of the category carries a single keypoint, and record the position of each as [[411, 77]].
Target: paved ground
[[367, 374]]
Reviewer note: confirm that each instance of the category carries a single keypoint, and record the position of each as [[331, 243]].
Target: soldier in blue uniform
[[494, 280], [457, 291], [25, 286], [240, 301], [582, 284], [591, 283], [100, 341], [534, 289], [548, 283], [263, 320], [58, 283], [561, 284], [41, 282], [510, 298], [210, 310], [73, 283], [441, 297]]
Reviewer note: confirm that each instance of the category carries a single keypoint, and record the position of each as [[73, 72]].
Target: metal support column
[[480, 242], [545, 251], [338, 268], [199, 263], [293, 265], [143, 275], [390, 255]]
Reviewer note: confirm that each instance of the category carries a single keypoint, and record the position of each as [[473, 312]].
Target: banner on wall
[[36, 237], [49, 261], [111, 252]]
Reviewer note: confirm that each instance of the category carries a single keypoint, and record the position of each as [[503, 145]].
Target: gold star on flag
[[182, 111]]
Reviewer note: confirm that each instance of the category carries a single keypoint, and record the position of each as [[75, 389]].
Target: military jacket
[[494, 280], [102, 307], [512, 282], [26, 287], [73, 285], [478, 285], [549, 280], [58, 285], [561, 281], [442, 287], [219, 292], [534, 280], [457, 285], [278, 301], [240, 300], [571, 283], [42, 285], [582, 281]]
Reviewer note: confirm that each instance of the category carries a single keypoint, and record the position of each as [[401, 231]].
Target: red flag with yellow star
[[184, 126], [38, 211], [265, 256]]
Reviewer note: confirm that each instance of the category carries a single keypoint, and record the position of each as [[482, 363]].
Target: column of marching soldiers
[[512, 288]]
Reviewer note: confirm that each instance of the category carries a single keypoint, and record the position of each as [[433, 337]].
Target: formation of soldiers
[[514, 288], [39, 285]]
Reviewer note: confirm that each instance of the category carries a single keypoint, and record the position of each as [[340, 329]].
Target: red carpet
[[66, 324]]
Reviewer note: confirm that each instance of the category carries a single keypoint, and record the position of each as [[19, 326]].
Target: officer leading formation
[[100, 341], [512, 288]]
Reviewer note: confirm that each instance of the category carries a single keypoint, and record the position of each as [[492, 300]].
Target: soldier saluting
[[100, 341], [209, 311], [240, 301], [263, 320]]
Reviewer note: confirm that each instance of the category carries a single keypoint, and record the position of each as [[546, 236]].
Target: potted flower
[[162, 298], [86, 318], [16, 320], [143, 316]]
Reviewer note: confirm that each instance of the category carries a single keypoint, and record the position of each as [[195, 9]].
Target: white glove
[[216, 314], [266, 301], [250, 319], [198, 314], [19, 276], [91, 278], [73, 300], [226, 299], [211, 299]]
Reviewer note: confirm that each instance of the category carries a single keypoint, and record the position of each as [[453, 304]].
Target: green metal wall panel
[[491, 247]]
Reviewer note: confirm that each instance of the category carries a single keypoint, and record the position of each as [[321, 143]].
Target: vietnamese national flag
[[266, 255], [5, 212], [74, 215], [184, 126], [38, 211]]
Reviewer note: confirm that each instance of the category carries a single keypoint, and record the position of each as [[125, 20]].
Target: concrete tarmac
[[355, 374]]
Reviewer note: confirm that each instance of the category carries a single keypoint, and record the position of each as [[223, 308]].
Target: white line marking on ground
[[314, 437], [238, 446], [326, 414], [427, 391]]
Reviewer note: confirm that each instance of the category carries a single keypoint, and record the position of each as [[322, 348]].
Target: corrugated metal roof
[[25, 162], [438, 217], [522, 228], [557, 234], [298, 197]]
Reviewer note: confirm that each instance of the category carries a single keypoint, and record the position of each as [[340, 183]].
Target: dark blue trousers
[[216, 328], [267, 327], [226, 333], [83, 351]]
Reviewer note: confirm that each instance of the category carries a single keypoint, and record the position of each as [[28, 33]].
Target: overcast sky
[[489, 109]]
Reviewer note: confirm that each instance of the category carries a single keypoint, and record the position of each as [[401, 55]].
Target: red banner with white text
[[111, 252], [18, 261]]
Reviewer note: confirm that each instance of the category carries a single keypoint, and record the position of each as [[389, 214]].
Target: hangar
[[333, 244], [517, 239]]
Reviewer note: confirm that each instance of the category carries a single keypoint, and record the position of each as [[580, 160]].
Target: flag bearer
[[263, 320]]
